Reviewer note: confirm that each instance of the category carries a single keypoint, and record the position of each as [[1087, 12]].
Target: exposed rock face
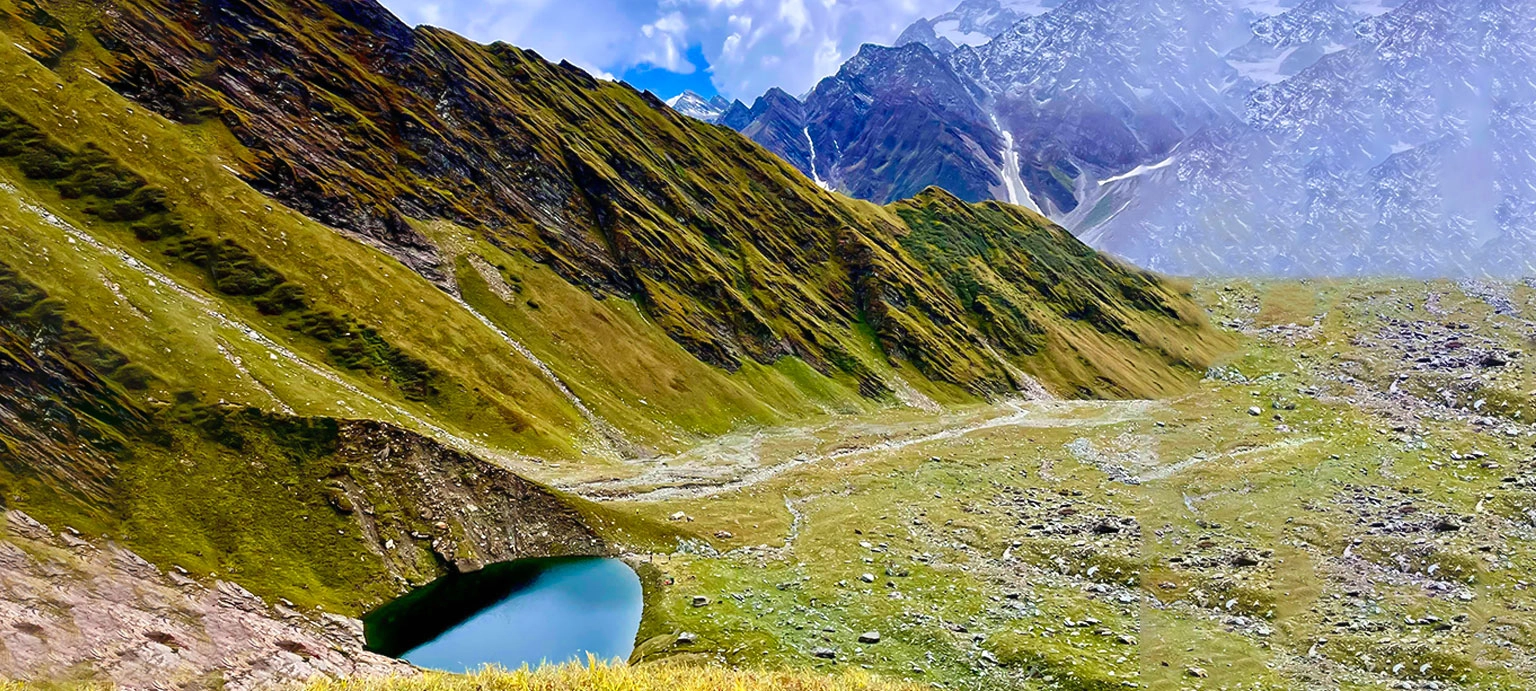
[[922, 32], [72, 606], [734, 257], [778, 123], [194, 61], [890, 123], [1324, 137], [974, 22], [57, 422], [904, 112], [422, 504]]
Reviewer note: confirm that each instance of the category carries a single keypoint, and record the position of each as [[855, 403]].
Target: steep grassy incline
[[735, 256], [319, 511], [275, 259], [1052, 304], [296, 296]]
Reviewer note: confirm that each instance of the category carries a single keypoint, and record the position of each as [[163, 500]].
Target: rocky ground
[[1349, 502], [1346, 503], [75, 609]]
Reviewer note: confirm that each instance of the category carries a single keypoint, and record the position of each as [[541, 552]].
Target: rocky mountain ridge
[[1101, 115]]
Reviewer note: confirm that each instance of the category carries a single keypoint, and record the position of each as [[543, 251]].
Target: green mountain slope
[[234, 230]]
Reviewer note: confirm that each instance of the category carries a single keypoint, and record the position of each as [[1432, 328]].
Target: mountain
[[1213, 136], [922, 32], [1404, 153], [892, 122], [919, 129], [699, 108], [1091, 89], [1284, 44], [777, 121], [971, 23], [300, 296]]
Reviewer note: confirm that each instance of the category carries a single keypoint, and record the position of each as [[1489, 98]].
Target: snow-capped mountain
[[891, 122], [1286, 43], [972, 23], [1409, 152], [1298, 137], [699, 108]]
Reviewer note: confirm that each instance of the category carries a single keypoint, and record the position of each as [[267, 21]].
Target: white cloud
[[793, 14], [828, 57], [728, 49], [752, 45], [667, 37]]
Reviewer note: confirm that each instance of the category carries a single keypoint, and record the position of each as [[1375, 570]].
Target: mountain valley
[[302, 309]]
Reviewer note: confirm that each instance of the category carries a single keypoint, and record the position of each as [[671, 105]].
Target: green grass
[[684, 285], [597, 676]]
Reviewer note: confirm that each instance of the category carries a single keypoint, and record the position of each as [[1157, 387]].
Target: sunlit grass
[[600, 676]]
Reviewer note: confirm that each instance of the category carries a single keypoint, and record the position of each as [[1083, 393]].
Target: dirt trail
[[743, 460], [1167, 471]]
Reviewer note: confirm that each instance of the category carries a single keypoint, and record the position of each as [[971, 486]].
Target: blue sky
[[668, 83], [738, 48]]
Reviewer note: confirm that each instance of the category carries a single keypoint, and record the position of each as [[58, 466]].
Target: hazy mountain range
[[1315, 137]]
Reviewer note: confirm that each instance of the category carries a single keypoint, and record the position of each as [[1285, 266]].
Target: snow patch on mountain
[[810, 144], [699, 108], [1289, 137], [1139, 170]]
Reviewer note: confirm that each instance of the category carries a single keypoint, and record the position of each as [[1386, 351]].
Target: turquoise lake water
[[529, 612]]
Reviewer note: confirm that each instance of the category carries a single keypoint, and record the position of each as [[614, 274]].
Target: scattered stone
[[824, 653], [686, 638], [296, 647], [1197, 672], [700, 600], [870, 637]]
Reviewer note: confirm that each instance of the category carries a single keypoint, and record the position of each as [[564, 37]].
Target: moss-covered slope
[[267, 260], [734, 255], [316, 510]]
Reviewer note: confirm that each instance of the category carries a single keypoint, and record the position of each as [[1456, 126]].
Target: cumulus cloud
[[751, 45], [667, 36]]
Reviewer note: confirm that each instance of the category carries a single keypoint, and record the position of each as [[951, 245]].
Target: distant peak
[[777, 94]]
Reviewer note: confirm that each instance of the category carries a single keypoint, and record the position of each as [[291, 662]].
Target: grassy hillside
[[298, 296], [537, 265], [600, 677]]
